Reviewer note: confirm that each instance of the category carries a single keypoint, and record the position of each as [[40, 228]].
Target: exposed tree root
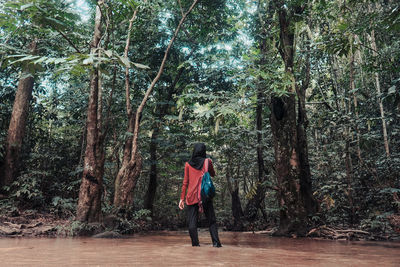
[[347, 234]]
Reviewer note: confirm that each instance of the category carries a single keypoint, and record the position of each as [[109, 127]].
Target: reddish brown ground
[[174, 249]]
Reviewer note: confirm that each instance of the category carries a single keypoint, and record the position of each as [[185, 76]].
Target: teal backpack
[[207, 186]]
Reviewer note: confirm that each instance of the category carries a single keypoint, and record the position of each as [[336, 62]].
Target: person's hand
[[201, 210], [181, 204]]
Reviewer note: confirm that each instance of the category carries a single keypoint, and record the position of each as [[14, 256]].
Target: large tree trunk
[[129, 172], [293, 215], [16, 129], [290, 143], [89, 203]]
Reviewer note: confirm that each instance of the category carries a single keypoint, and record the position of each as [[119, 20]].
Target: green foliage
[[63, 206], [26, 189]]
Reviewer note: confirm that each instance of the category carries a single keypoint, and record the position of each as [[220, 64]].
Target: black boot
[[217, 244]]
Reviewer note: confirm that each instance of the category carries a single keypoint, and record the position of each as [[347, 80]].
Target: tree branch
[[153, 83], [69, 41]]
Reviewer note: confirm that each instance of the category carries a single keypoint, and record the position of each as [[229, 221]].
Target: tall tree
[[161, 111], [131, 167], [290, 141], [89, 203], [16, 130]]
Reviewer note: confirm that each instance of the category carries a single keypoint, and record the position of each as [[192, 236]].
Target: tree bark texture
[[16, 129], [89, 203]]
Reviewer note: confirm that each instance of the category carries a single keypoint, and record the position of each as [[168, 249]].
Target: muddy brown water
[[174, 249]]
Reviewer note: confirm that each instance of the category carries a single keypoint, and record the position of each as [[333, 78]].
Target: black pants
[[193, 214]]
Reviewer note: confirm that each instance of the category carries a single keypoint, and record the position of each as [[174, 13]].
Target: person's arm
[[211, 168], [184, 186]]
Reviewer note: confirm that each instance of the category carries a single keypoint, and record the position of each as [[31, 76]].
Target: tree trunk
[[152, 188], [290, 144], [123, 186], [311, 204], [293, 215], [237, 212], [127, 176], [162, 111], [16, 129], [349, 176], [128, 173], [302, 151], [254, 203], [89, 203], [378, 90], [355, 100]]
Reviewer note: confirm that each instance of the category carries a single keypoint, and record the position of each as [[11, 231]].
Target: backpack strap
[[204, 170], [206, 162]]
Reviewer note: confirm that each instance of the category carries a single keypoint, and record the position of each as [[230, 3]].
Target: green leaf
[[88, 61], [124, 61], [140, 66], [343, 26], [27, 6], [108, 53], [392, 90]]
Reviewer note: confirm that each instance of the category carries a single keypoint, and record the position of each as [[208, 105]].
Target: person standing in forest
[[194, 171]]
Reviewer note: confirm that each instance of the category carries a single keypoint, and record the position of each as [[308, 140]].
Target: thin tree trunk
[[349, 175], [162, 111], [130, 171], [89, 203], [355, 100], [237, 212], [152, 188], [302, 145], [118, 187], [16, 129], [378, 90], [254, 203]]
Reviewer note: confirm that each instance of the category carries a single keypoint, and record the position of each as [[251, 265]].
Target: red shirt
[[192, 182]]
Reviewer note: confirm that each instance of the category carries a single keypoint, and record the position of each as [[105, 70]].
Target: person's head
[[199, 150]]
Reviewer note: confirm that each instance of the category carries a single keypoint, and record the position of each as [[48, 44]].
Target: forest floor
[[30, 224], [34, 224]]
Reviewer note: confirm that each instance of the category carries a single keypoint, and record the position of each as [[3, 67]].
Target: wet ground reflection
[[174, 249]]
